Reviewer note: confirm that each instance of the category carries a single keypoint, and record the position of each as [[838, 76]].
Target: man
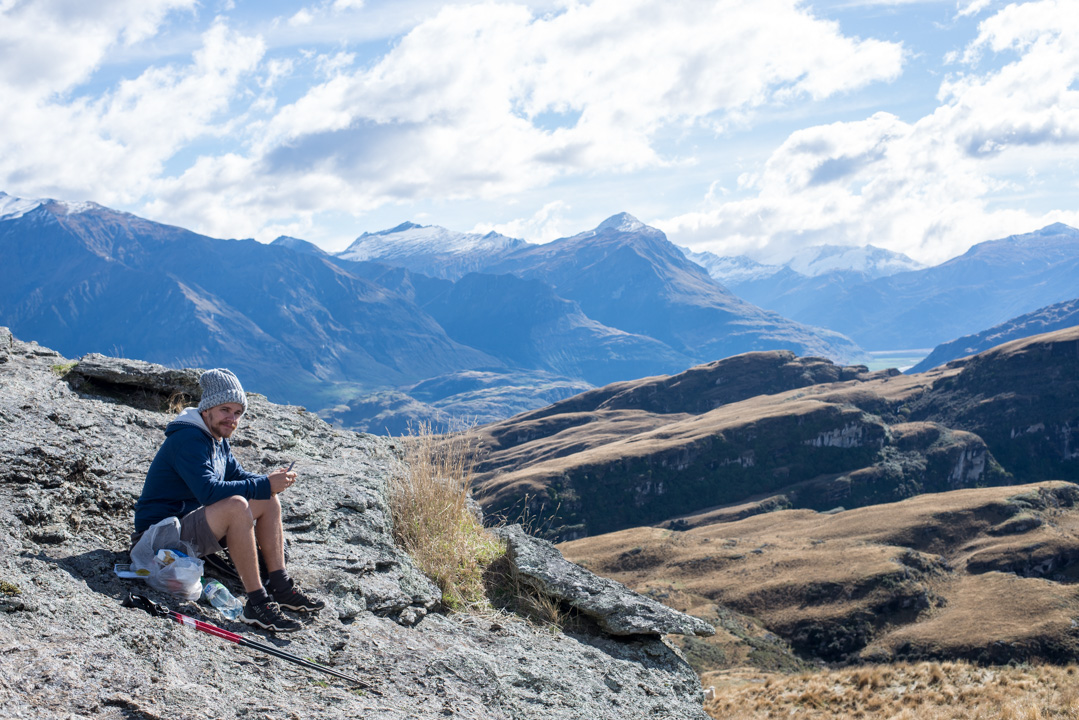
[[195, 477]]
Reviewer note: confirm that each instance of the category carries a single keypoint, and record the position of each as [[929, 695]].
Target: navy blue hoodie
[[192, 469]]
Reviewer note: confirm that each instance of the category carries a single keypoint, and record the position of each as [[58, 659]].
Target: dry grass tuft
[[513, 592], [432, 520], [921, 691], [178, 401]]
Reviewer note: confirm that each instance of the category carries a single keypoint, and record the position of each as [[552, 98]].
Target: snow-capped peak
[[12, 207], [622, 222], [731, 269], [872, 261], [409, 239]]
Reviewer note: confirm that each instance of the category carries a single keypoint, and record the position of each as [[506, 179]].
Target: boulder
[[138, 374], [615, 608]]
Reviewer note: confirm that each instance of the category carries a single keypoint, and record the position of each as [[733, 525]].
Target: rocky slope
[[75, 440], [765, 430]]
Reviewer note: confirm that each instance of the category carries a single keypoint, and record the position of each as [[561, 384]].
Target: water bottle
[[220, 597]]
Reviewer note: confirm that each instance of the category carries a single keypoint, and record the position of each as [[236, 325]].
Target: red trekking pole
[[158, 610]]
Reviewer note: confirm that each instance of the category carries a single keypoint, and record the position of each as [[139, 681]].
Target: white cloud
[[484, 101], [59, 44], [301, 18], [333, 65], [276, 70], [925, 188], [546, 224], [972, 7], [111, 148]]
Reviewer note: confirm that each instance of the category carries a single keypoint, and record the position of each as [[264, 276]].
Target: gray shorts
[[195, 530]]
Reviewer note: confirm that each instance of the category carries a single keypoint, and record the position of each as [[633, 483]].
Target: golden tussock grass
[[432, 520], [917, 691]]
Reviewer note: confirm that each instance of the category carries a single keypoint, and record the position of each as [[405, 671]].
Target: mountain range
[[864, 263], [419, 323], [340, 334], [884, 301]]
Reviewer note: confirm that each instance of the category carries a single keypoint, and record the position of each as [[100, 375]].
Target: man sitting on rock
[[195, 477]]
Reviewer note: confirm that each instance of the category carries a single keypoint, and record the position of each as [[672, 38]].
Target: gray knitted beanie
[[220, 386]]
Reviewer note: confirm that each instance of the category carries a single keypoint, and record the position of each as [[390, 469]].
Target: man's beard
[[222, 430]]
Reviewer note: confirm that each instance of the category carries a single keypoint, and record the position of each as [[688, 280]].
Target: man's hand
[[281, 480]]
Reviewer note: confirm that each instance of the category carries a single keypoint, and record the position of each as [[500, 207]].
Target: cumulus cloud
[[546, 224], [114, 146], [60, 44], [925, 188], [488, 100]]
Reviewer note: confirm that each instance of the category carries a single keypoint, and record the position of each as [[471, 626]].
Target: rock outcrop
[[138, 374], [75, 442], [614, 607]]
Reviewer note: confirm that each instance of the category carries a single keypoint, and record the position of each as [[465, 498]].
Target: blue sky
[[735, 126]]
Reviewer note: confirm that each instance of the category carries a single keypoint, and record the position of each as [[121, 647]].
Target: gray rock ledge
[[614, 607], [139, 374]]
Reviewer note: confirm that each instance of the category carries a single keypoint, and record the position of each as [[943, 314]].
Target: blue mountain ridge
[[313, 329], [992, 282], [1047, 319]]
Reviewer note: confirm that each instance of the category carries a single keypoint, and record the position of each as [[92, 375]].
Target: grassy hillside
[[766, 430], [985, 575], [903, 691]]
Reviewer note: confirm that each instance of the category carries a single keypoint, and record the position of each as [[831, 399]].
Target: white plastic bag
[[177, 572]]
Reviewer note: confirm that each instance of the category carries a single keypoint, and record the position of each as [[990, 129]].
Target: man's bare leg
[[244, 522], [268, 532], [232, 518]]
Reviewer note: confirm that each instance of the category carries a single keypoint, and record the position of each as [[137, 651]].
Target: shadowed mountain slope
[[1046, 319], [629, 276], [525, 324], [292, 322]]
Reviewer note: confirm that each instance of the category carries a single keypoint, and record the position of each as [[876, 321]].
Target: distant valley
[[821, 512]]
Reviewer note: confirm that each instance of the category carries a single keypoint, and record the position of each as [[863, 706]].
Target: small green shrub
[[63, 369]]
